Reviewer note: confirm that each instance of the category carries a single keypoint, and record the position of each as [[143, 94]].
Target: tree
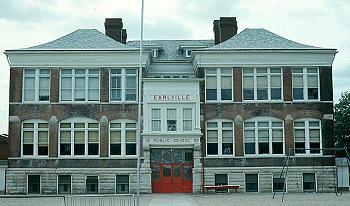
[[342, 120]]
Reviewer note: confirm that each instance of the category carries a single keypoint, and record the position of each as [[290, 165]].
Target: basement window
[[221, 179], [309, 182], [122, 184], [33, 184], [64, 184], [251, 182], [92, 185], [278, 184]]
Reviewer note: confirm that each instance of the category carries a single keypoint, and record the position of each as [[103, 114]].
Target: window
[[79, 137], [122, 184], [251, 183], [218, 84], [188, 53], [35, 138], [262, 84], [64, 184], [221, 179], [80, 85], [187, 119], [155, 53], [123, 84], [36, 85], [307, 136], [33, 184], [122, 134], [263, 135], [278, 184], [156, 120], [171, 119], [309, 182], [220, 137], [91, 185], [305, 84]]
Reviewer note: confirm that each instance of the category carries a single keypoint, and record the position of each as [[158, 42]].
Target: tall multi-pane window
[[122, 134], [307, 136], [263, 136], [171, 119], [79, 138], [187, 119], [218, 84], [35, 138], [262, 84], [79, 85], [36, 85], [123, 84], [305, 84], [156, 119], [220, 137]]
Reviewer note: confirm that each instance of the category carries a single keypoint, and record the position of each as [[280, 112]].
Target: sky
[[322, 23]]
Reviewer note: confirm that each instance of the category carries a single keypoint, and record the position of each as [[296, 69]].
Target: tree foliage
[[342, 120]]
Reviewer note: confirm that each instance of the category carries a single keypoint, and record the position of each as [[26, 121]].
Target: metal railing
[[99, 200]]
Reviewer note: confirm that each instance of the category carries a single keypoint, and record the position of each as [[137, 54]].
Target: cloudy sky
[[323, 23]]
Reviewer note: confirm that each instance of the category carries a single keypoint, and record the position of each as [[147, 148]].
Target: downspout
[[203, 144]]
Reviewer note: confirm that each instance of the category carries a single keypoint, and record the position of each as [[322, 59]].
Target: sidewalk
[[171, 200], [233, 199]]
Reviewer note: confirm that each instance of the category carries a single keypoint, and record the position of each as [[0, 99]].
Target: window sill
[[32, 157], [263, 155], [219, 156], [262, 101], [219, 101]]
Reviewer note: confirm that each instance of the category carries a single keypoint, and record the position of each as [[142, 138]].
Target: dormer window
[[155, 53], [186, 50], [188, 53]]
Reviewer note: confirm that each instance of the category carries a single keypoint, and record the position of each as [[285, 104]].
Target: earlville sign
[[171, 97]]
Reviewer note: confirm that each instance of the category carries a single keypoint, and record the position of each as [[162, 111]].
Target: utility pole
[[138, 140]]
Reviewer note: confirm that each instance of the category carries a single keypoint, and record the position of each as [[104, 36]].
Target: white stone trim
[[264, 57]]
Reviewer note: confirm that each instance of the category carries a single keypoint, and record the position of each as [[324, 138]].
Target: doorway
[[171, 170]]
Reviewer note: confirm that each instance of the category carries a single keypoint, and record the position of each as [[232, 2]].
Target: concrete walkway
[[172, 200], [232, 199]]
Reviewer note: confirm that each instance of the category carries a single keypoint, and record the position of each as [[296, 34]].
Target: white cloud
[[323, 23]]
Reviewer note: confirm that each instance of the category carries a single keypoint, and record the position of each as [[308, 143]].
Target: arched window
[[79, 137], [307, 136], [35, 138], [122, 137], [220, 139], [263, 135]]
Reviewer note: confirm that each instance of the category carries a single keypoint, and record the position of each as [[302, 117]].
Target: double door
[[172, 171]]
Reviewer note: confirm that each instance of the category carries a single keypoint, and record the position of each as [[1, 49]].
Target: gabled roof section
[[81, 40], [170, 48], [258, 39]]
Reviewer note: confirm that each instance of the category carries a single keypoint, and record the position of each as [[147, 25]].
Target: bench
[[222, 187]]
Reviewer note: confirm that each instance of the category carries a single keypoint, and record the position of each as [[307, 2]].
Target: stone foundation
[[16, 182], [325, 177]]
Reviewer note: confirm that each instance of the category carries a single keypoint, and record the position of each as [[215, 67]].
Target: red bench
[[222, 187]]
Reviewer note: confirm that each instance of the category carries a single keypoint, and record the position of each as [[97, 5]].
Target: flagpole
[[138, 143]]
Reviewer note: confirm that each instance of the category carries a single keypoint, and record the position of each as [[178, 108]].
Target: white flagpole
[[138, 143]]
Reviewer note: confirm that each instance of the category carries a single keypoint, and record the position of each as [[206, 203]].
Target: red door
[[173, 178], [166, 178]]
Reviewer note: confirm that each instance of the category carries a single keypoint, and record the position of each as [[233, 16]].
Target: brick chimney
[[114, 29], [216, 30], [224, 29]]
